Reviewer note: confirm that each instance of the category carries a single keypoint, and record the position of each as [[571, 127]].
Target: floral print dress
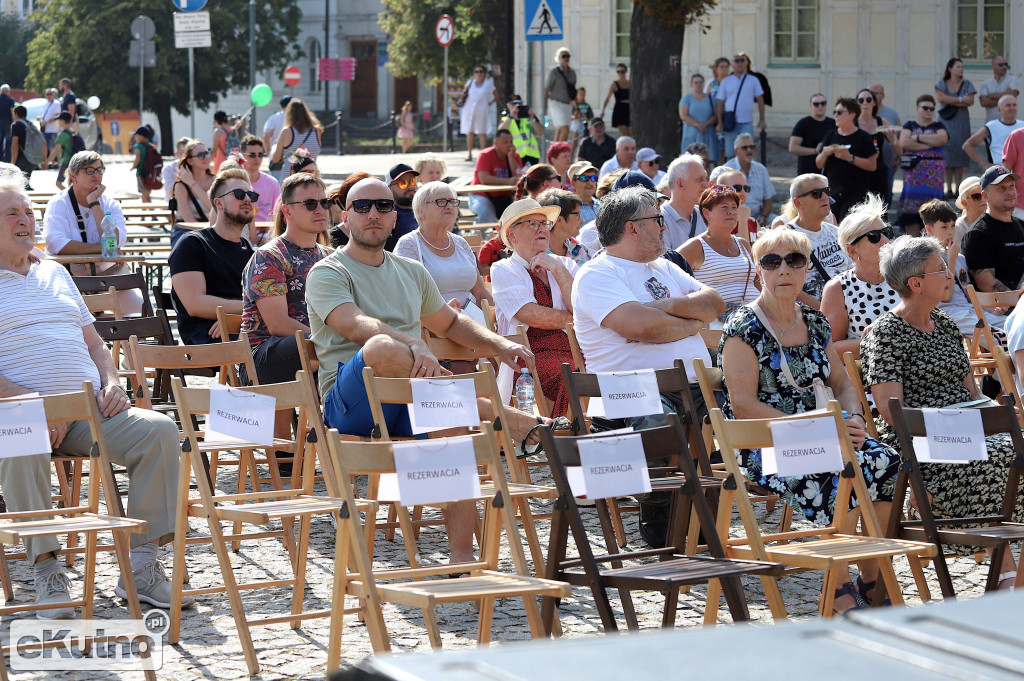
[[813, 495]]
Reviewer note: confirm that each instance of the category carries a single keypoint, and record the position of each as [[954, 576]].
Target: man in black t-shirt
[[994, 246], [69, 101], [19, 138], [808, 133], [6, 118], [207, 264], [597, 148]]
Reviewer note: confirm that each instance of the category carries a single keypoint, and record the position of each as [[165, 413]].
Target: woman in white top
[[854, 299], [719, 259], [473, 120]]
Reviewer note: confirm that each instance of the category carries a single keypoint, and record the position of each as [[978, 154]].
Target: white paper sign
[[23, 429], [613, 466], [803, 447], [442, 403], [241, 415], [434, 471], [953, 436], [628, 394]]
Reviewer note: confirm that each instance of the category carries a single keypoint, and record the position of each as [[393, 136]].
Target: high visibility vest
[[523, 138]]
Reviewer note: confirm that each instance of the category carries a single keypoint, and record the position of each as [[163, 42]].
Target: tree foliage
[[88, 42], [15, 34]]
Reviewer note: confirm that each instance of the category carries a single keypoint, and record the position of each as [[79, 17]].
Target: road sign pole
[[142, 70], [192, 88], [447, 105], [252, 59]]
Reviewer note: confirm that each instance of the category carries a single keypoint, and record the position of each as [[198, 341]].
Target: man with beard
[[207, 264], [366, 308], [403, 182]]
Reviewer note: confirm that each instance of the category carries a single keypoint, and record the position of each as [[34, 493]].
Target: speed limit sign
[[444, 31]]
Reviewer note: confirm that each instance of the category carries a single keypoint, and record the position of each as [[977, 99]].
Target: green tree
[[88, 41], [655, 37], [15, 33]]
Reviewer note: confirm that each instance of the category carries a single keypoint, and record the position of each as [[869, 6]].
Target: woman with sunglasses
[[755, 387], [697, 112], [972, 204], [619, 89], [847, 158], [923, 163], [536, 179], [718, 258], [916, 354], [190, 201], [869, 121], [857, 297]]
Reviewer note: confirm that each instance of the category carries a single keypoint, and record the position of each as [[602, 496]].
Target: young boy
[[940, 222], [142, 137], [62, 147]]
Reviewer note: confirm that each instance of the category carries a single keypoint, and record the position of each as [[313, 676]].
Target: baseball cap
[[995, 175], [284, 101], [634, 178], [646, 154], [515, 99], [397, 171], [596, 120], [579, 168], [145, 131]]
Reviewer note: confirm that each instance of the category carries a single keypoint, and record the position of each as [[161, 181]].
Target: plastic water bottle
[[525, 392], [108, 237]]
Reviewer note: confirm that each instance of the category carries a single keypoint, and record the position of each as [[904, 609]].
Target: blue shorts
[[347, 407]]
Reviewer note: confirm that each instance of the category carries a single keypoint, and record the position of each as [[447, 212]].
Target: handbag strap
[[736, 99], [784, 364], [78, 215], [814, 261], [564, 77]]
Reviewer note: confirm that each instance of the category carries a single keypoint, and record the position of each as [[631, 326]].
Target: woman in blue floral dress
[[750, 357]]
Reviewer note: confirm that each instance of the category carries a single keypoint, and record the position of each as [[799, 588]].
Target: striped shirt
[[308, 139], [733, 277], [42, 315]]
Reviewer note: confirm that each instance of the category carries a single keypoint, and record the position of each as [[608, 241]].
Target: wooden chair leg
[[917, 569], [485, 620], [430, 620], [774, 595], [408, 538], [668, 614], [620, 530], [180, 535], [826, 603], [712, 601], [5, 576], [892, 585], [243, 464], [299, 567]]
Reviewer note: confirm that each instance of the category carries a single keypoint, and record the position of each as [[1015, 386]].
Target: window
[[795, 31], [313, 84], [980, 29], [623, 20]]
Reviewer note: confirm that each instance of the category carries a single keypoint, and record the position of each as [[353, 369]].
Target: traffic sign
[[189, 5], [546, 19], [193, 39], [444, 31], [143, 28], [115, 128], [292, 75], [142, 53], [195, 21]]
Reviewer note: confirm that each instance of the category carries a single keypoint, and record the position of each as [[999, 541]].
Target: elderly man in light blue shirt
[[762, 192]]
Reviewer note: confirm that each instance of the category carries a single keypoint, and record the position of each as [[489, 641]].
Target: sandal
[[850, 590], [864, 587]]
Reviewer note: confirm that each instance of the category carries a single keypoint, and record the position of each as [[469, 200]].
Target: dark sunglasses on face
[[927, 108], [200, 155], [311, 204], [586, 178], [976, 197], [478, 71], [741, 187], [874, 236], [818, 103], [747, 147], [364, 205], [865, 100], [254, 154], [1002, 64], [554, 177], [816, 193], [772, 261], [240, 194]]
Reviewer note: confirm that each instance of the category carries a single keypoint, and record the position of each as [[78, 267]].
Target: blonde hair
[[782, 237], [860, 218], [605, 184]]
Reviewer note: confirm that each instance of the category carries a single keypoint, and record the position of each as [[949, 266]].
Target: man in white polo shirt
[[687, 178]]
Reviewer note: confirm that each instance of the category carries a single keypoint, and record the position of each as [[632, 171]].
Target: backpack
[[35, 144], [77, 143], [152, 168], [231, 140]]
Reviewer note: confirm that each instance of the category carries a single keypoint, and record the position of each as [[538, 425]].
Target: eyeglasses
[[254, 154], [443, 203], [535, 225], [364, 205], [816, 193], [740, 187], [865, 100], [406, 183], [478, 71], [772, 261], [660, 219], [747, 147], [90, 170], [200, 155], [976, 197], [586, 178], [240, 194], [926, 108], [818, 103], [944, 272], [311, 204], [874, 235]]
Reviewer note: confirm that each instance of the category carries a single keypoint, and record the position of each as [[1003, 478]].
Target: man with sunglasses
[[403, 181], [761, 195], [687, 179], [811, 197], [1001, 83], [808, 133], [207, 264], [994, 133], [583, 176], [994, 246], [253, 153]]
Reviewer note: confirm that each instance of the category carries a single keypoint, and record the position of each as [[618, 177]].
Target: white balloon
[[93, 102]]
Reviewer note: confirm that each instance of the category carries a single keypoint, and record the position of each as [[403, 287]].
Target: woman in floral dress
[[924, 165]]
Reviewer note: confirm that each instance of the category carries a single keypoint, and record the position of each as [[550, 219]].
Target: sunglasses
[[865, 100], [406, 183], [975, 197], [738, 60], [747, 147], [443, 203], [364, 205], [772, 261], [619, 72], [818, 103], [254, 154], [926, 108], [816, 193], [874, 236], [1002, 64], [200, 155], [478, 71], [311, 204], [240, 194], [839, 112], [586, 178], [740, 187]]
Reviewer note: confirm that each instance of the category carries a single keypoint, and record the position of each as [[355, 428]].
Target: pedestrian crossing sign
[[545, 19]]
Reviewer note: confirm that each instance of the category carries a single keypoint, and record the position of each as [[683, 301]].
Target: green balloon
[[262, 94]]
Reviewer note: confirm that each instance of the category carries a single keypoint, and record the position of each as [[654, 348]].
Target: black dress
[[620, 112]]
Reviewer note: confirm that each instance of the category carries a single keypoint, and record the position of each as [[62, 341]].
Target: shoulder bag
[[729, 117], [822, 393]]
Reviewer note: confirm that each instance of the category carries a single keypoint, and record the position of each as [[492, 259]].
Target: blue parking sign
[[189, 5], [544, 19]]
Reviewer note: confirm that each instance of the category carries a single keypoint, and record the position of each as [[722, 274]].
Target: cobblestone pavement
[[209, 647]]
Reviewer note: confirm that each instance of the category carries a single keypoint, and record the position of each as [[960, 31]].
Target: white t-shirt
[[605, 283], [170, 171], [49, 115], [588, 237], [825, 247], [740, 100], [274, 124]]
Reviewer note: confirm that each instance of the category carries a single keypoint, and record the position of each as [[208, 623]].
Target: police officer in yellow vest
[[525, 129]]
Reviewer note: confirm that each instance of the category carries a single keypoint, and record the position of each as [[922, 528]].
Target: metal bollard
[[764, 148], [394, 132], [341, 133]]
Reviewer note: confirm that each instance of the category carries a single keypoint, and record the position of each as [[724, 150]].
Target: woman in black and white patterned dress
[[854, 299]]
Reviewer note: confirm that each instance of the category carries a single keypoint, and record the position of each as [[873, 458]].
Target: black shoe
[[653, 525]]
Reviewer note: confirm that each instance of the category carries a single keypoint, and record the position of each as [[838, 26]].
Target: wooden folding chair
[[574, 347], [993, 532], [489, 315], [856, 373], [821, 548], [673, 570], [229, 324], [104, 304], [119, 282], [257, 507], [984, 300], [87, 519], [485, 583]]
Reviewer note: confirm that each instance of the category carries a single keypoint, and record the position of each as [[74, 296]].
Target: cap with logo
[[397, 171], [995, 175]]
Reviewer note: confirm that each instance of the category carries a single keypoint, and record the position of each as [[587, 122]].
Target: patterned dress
[[924, 181], [814, 495], [931, 368]]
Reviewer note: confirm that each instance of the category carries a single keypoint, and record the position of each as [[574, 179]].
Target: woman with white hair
[[853, 300]]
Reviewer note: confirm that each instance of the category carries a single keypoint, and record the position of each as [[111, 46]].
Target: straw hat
[[520, 208], [966, 186]]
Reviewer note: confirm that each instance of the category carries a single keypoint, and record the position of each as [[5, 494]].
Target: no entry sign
[[292, 75]]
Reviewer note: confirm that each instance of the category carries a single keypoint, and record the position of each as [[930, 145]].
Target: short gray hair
[[5, 88], [625, 139], [904, 258], [796, 188], [742, 137], [82, 159], [429, 157], [431, 191], [567, 202], [677, 168], [618, 208], [860, 218], [11, 176]]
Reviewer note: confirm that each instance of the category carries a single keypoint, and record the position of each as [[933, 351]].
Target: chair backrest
[[1007, 375], [710, 381], [106, 302], [855, 371], [473, 238], [712, 338], [229, 324], [490, 319], [120, 282], [574, 347], [155, 328], [982, 300]]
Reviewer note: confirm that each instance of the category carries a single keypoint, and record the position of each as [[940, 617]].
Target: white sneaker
[[153, 586], [54, 588]]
